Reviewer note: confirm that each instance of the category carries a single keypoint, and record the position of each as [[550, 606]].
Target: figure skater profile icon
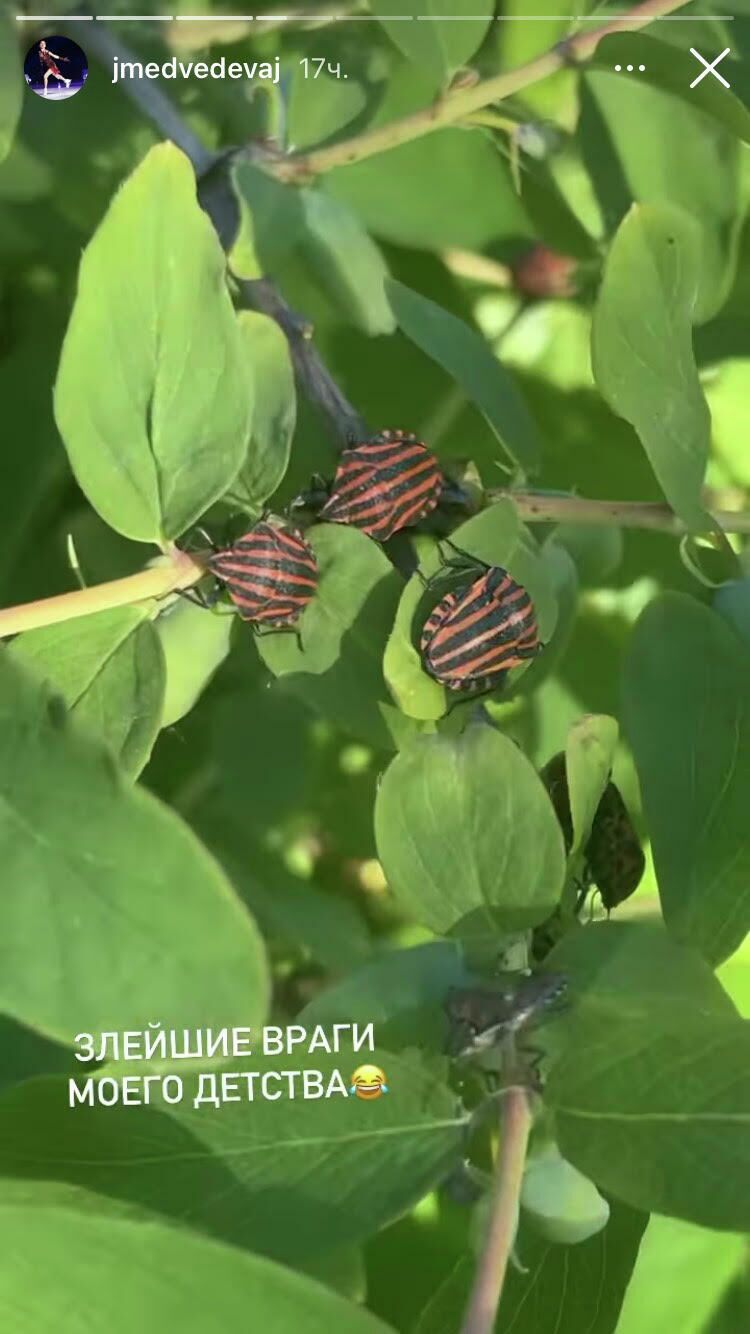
[[48, 59], [55, 67]]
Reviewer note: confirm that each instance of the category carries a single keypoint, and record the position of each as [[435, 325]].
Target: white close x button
[[710, 67]]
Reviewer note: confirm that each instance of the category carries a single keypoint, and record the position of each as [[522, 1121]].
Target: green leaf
[[470, 361], [672, 70], [398, 194], [151, 1277], [318, 108], [554, 1292], [402, 991], [686, 709], [494, 536], [11, 82], [112, 913], [346, 262], [109, 670], [589, 753], [681, 1273], [337, 670], [634, 971], [660, 1116], [194, 644], [467, 836], [274, 411], [642, 350], [290, 1178], [152, 396], [435, 39], [642, 145]]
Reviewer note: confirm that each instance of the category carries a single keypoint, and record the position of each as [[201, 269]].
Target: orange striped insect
[[384, 484], [270, 574], [475, 635]]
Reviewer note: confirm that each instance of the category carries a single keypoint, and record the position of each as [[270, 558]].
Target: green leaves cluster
[[321, 832]]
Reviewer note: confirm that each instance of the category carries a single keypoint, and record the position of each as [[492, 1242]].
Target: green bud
[[561, 1203]]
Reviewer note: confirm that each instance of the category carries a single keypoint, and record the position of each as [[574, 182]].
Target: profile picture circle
[[55, 68]]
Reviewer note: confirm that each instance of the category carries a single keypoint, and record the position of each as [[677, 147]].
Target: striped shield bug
[[475, 634], [384, 484], [270, 574]]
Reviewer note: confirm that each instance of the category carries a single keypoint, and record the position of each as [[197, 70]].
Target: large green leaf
[[112, 914], [11, 84], [467, 836], [274, 411], [436, 38], [152, 395], [642, 350], [496, 537], [554, 1292], [648, 1081], [290, 1177], [109, 670], [125, 1275], [469, 360], [337, 667], [687, 717], [660, 1116]]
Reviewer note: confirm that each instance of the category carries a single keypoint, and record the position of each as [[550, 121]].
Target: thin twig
[[538, 507], [516, 1119], [181, 569], [456, 105]]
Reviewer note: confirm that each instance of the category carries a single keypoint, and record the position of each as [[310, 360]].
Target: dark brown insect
[[613, 856], [473, 637], [480, 1018], [384, 484], [271, 574]]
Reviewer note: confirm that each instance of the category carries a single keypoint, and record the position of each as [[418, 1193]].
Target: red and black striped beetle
[[270, 574], [476, 634], [384, 484]]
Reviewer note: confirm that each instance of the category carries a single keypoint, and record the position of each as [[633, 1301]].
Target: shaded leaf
[[183, 1282], [660, 1117], [11, 84], [686, 705], [561, 1290], [110, 671], [469, 360], [346, 261], [292, 1178]]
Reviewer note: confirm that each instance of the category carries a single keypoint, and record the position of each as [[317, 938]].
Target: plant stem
[[179, 570], [538, 507], [516, 1121], [463, 101]]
